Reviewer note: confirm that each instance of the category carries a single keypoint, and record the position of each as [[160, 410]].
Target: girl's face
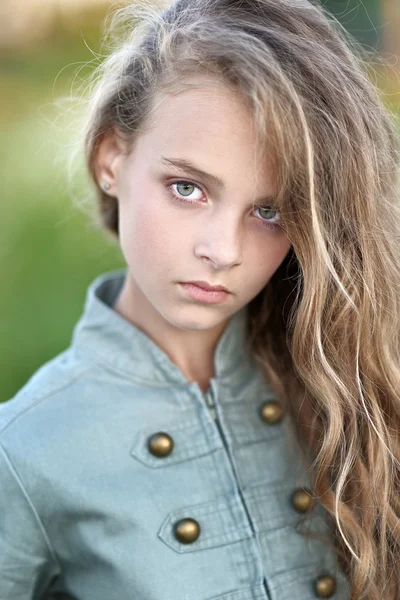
[[179, 225]]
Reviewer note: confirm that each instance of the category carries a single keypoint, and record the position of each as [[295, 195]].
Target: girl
[[238, 443]]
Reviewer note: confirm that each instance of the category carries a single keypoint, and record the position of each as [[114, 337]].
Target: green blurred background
[[50, 248]]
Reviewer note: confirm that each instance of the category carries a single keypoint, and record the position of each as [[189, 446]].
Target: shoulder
[[70, 405], [69, 418], [53, 380]]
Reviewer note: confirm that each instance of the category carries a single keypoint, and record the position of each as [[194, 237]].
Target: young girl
[[238, 443]]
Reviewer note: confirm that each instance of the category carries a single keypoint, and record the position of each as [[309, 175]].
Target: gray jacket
[[121, 480]]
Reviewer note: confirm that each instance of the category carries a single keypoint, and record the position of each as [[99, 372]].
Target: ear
[[111, 150]]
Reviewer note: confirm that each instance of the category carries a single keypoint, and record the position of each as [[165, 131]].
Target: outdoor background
[[50, 250]]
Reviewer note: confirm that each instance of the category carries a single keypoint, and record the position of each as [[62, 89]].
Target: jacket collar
[[108, 338]]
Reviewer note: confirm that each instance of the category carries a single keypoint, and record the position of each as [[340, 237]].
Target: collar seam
[[97, 360]]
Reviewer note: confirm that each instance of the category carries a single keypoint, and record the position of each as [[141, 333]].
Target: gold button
[[271, 412], [325, 586], [302, 500], [160, 444], [187, 531]]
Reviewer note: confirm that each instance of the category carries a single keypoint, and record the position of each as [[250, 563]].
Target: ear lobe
[[110, 151]]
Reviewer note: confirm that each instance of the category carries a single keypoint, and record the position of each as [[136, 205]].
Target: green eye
[[183, 191], [261, 208], [183, 188], [266, 218]]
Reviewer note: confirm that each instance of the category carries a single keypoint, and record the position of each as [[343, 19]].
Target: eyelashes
[[185, 199]]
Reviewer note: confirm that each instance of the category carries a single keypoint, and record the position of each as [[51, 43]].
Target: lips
[[204, 296], [211, 288]]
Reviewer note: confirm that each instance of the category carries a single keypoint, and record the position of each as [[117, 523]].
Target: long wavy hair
[[325, 330]]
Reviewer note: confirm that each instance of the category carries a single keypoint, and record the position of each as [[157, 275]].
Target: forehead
[[203, 105], [211, 122]]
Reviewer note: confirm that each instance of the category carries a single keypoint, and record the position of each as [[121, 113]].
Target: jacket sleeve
[[27, 562]]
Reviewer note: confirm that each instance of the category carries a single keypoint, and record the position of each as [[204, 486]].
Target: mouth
[[208, 287], [203, 295]]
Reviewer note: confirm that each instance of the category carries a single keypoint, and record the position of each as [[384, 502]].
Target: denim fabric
[[88, 512]]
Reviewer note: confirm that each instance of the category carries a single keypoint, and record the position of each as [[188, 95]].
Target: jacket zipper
[[209, 398], [210, 403]]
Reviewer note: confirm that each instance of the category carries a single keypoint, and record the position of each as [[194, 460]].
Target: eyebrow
[[189, 167], [186, 165]]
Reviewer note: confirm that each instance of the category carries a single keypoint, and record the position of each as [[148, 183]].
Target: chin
[[194, 319]]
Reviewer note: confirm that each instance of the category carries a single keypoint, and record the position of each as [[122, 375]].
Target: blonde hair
[[325, 330]]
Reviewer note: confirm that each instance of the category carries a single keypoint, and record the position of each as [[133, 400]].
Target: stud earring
[[106, 186]]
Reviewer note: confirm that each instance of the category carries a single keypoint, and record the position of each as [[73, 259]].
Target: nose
[[221, 243]]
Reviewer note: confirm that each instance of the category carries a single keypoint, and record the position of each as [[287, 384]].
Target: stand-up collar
[[110, 339]]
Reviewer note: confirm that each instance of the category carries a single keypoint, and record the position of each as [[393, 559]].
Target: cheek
[[281, 248], [148, 237], [267, 257]]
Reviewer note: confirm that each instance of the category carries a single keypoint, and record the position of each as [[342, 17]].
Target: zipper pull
[[210, 402]]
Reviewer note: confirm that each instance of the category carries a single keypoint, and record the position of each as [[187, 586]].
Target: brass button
[[302, 500], [271, 412], [187, 531], [160, 444], [325, 586]]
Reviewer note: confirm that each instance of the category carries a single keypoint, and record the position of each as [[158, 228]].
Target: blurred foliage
[[49, 250]]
